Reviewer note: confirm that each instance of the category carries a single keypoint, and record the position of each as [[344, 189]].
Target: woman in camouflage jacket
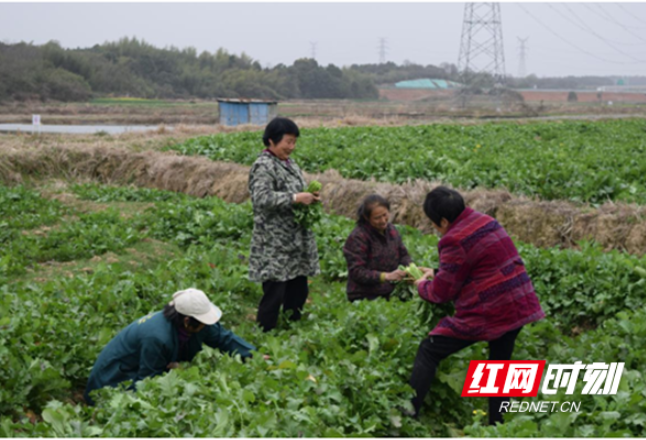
[[283, 254]]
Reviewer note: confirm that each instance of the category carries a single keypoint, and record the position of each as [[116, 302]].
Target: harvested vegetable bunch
[[403, 290], [412, 270], [314, 186], [428, 313], [308, 215]]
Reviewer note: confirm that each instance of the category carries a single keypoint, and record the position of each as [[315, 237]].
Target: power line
[[612, 20], [604, 14], [565, 61], [632, 15], [567, 53], [569, 42], [587, 28]]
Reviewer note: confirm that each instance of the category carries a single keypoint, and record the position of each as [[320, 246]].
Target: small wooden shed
[[246, 111]]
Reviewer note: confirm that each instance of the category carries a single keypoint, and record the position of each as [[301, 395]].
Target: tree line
[[132, 67]]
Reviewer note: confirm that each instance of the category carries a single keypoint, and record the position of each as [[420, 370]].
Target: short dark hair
[[279, 127], [368, 204], [177, 318], [443, 202]]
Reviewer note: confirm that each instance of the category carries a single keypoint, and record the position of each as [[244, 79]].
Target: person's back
[[157, 342], [140, 350], [485, 278], [495, 293]]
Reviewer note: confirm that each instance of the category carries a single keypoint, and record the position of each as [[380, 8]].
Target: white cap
[[194, 303]]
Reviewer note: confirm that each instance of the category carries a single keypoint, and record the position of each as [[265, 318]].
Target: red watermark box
[[503, 379]]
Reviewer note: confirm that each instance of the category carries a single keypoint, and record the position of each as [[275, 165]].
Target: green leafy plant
[[413, 271], [583, 161], [340, 371], [309, 215]]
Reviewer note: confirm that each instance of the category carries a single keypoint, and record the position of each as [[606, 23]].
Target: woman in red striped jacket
[[482, 274]]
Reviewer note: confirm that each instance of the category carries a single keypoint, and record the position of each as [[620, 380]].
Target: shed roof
[[246, 101]]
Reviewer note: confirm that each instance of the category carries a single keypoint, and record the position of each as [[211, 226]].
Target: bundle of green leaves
[[309, 215], [427, 313], [404, 290], [413, 271]]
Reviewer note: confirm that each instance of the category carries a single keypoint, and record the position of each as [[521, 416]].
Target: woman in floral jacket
[[283, 253]]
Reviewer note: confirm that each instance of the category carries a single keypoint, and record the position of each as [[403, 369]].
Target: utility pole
[[481, 45], [313, 47], [382, 50], [522, 67]]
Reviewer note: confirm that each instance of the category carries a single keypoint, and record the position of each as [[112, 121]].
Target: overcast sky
[[563, 38]]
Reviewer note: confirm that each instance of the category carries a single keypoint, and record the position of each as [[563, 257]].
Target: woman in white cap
[[156, 343]]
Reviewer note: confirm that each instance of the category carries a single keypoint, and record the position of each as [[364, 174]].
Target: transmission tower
[[382, 50], [522, 67], [481, 48], [313, 47]]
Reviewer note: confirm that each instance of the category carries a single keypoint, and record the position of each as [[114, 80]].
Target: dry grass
[[543, 223]]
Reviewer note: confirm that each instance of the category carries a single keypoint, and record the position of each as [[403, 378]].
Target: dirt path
[[317, 112]]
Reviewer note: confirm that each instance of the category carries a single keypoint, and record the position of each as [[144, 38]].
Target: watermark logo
[[595, 376], [503, 379], [523, 379]]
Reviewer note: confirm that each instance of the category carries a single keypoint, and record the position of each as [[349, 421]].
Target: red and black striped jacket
[[482, 273]]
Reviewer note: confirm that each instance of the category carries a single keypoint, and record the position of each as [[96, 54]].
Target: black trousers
[[435, 348], [291, 295]]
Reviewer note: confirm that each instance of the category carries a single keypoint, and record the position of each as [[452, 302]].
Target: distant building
[[246, 111], [427, 83]]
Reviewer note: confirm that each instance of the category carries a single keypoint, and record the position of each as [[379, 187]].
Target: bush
[[572, 97], [63, 85]]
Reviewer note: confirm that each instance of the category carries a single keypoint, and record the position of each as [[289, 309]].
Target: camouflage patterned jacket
[[281, 249]]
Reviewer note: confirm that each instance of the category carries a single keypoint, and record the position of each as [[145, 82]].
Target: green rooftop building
[[427, 83]]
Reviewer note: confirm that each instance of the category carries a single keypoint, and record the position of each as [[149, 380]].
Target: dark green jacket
[[148, 345]]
